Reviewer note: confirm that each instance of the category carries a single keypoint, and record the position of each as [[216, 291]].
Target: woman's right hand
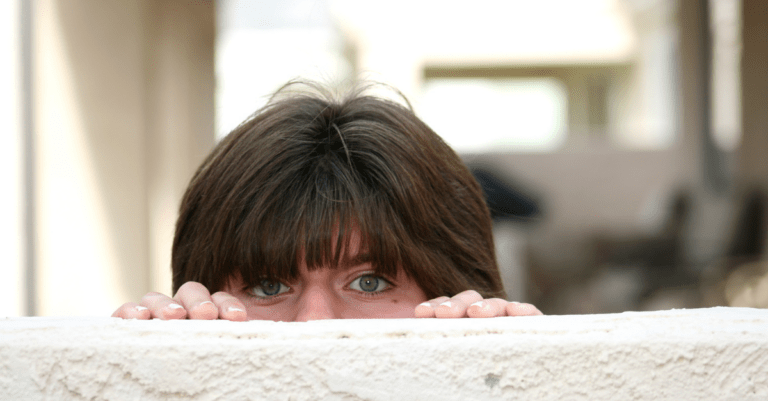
[[192, 301]]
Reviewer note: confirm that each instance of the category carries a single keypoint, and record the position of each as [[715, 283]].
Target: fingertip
[[230, 308], [205, 310], [172, 311], [479, 309], [424, 310], [131, 310], [512, 308], [522, 309], [447, 310], [141, 312], [235, 314], [118, 313]]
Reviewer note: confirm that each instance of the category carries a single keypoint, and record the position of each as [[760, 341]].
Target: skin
[[348, 292]]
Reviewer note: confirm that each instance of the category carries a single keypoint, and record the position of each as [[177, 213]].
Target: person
[[324, 207]]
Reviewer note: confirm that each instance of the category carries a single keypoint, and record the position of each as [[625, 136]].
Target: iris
[[369, 283], [270, 287]]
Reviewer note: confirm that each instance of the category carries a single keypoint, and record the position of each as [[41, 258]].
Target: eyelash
[[250, 289]]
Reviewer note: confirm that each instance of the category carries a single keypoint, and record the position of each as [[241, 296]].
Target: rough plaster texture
[[717, 354]]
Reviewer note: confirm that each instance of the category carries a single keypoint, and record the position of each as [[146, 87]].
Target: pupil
[[369, 283], [270, 287]]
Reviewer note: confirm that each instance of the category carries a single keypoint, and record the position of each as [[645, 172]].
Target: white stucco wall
[[717, 354]]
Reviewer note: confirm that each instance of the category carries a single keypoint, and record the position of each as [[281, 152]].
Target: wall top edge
[[721, 323]]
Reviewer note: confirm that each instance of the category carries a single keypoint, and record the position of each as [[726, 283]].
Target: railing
[[719, 353]]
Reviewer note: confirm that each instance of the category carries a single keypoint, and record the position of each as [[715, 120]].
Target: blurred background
[[623, 144]]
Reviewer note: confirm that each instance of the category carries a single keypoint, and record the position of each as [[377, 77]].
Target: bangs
[[327, 213]]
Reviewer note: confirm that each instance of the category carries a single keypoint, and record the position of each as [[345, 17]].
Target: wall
[[123, 114], [704, 354], [12, 239]]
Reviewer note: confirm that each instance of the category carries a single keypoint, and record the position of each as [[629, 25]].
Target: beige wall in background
[[12, 286], [123, 106]]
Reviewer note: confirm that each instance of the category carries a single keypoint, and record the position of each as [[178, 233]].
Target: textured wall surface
[[717, 354]]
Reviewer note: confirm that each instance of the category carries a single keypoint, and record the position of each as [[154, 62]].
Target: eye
[[269, 288], [369, 283]]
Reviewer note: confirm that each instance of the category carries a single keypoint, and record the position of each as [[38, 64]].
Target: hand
[[192, 301], [471, 304]]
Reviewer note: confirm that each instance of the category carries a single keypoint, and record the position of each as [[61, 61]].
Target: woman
[[322, 208]]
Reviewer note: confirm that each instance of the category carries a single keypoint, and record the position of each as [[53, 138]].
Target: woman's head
[[308, 173]]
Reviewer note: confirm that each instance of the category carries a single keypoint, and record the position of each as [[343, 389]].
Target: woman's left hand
[[471, 304]]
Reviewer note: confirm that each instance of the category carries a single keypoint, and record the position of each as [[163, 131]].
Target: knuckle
[[150, 295], [222, 299], [192, 286], [125, 306], [221, 295]]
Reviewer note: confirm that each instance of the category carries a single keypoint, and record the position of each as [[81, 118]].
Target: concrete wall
[[704, 354]]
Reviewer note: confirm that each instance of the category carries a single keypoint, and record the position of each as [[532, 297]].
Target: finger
[[230, 308], [522, 309], [163, 307], [456, 307], [427, 309], [132, 310], [491, 307], [197, 301]]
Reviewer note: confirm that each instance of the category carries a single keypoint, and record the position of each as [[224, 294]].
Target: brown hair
[[308, 166]]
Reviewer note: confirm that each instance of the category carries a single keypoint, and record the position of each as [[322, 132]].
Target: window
[[496, 115]]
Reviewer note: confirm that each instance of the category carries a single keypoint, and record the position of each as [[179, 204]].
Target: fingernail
[[446, 303], [233, 309], [427, 304], [478, 303], [206, 302], [175, 306], [141, 308], [515, 302]]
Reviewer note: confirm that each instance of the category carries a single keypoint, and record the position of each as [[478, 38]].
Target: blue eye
[[269, 288], [369, 283]]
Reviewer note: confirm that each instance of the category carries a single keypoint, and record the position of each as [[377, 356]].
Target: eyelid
[[367, 272]]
